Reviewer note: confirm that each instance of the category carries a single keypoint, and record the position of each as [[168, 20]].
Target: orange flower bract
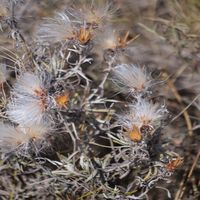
[[174, 163], [135, 134], [62, 100], [83, 35]]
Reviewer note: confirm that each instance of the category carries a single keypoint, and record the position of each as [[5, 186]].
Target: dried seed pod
[[147, 130], [174, 163]]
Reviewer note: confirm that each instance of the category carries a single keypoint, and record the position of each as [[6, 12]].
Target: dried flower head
[[134, 134], [83, 35], [29, 84], [62, 99], [12, 138], [56, 30], [110, 39], [174, 163], [142, 118], [107, 39], [97, 13], [26, 110], [37, 131], [131, 79], [146, 114], [28, 100], [124, 41]]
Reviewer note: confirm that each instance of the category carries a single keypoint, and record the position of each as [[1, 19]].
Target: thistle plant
[[58, 113]]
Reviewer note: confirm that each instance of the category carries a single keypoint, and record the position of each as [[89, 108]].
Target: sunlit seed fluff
[[97, 13], [147, 113], [14, 137], [143, 113], [56, 30], [26, 110], [28, 100], [107, 39], [36, 131], [29, 84], [131, 78], [11, 138]]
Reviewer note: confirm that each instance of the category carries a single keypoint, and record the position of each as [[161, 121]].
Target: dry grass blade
[[187, 175], [179, 99]]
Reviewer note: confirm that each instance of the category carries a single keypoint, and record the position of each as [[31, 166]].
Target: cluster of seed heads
[[53, 105]]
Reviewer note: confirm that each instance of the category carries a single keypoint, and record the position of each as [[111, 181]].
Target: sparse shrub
[[61, 116]]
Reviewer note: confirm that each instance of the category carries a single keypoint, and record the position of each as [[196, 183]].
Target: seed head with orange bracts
[[174, 163], [123, 42], [62, 100], [135, 134], [13, 137], [29, 100], [83, 35], [142, 119]]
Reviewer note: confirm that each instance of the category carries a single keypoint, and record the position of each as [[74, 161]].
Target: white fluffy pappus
[[107, 39], [143, 113], [29, 84], [26, 110], [56, 29], [97, 13], [28, 100], [131, 78], [12, 138]]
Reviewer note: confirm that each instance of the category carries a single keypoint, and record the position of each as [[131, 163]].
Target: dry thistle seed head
[[29, 84], [146, 115], [134, 134], [174, 163], [62, 99], [131, 79], [83, 35], [36, 131], [97, 13], [56, 30], [28, 100], [142, 118], [26, 110], [107, 38], [12, 138], [124, 40]]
